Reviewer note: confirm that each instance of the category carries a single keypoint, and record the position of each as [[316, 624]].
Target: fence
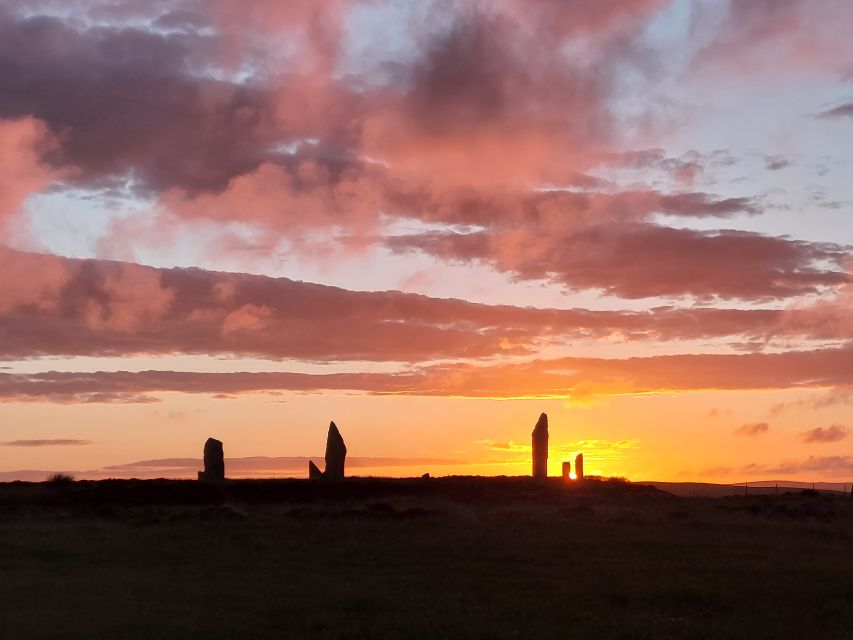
[[835, 488]]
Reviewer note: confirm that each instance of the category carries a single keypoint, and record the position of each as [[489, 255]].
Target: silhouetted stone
[[336, 454], [425, 476], [540, 448], [579, 466], [567, 470], [214, 462]]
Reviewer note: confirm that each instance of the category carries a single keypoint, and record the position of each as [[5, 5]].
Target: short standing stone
[[579, 466], [540, 448], [314, 473], [336, 454], [214, 462], [567, 470]]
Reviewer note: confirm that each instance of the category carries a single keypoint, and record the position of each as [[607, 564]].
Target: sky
[[428, 221]]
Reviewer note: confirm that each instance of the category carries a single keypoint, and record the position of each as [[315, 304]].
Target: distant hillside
[[711, 490]]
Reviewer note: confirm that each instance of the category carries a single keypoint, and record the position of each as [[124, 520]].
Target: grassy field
[[443, 558]]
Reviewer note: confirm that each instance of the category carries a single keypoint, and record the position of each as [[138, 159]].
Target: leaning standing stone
[[336, 454]]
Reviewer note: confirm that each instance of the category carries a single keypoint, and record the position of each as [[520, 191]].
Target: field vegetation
[[443, 558]]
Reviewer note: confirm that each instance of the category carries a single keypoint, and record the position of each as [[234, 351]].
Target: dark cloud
[[752, 429], [249, 467], [839, 466], [560, 377], [58, 306], [124, 102], [776, 163], [58, 442], [841, 111], [194, 105], [636, 260], [833, 433]]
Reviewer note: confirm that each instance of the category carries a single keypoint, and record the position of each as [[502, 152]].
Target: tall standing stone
[[214, 462], [567, 470], [540, 448], [579, 466], [336, 454]]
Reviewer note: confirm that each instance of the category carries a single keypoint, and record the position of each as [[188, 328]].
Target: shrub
[[60, 478]]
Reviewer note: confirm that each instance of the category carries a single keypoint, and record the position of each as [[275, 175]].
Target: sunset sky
[[428, 221]]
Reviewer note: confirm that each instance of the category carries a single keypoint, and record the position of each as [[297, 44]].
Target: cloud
[[776, 163], [59, 306], [595, 450], [22, 170], [575, 378], [137, 109], [766, 38], [496, 445], [208, 93], [833, 433], [493, 114], [841, 111], [46, 443], [837, 395], [820, 464], [636, 260], [752, 429], [715, 412], [248, 467], [832, 466]]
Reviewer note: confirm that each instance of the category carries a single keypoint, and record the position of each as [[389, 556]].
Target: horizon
[[243, 219]]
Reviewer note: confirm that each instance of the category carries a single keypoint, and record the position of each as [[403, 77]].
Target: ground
[[438, 558]]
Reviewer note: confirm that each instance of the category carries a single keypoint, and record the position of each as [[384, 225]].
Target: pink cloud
[[22, 170], [577, 378], [55, 442], [832, 433], [752, 429], [782, 37], [636, 260], [484, 111], [248, 467], [60, 306]]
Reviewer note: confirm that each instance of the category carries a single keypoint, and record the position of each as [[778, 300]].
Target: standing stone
[[579, 466], [540, 448], [336, 454], [567, 470], [214, 462]]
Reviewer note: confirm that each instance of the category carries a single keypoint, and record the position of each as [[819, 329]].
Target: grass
[[454, 558]]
